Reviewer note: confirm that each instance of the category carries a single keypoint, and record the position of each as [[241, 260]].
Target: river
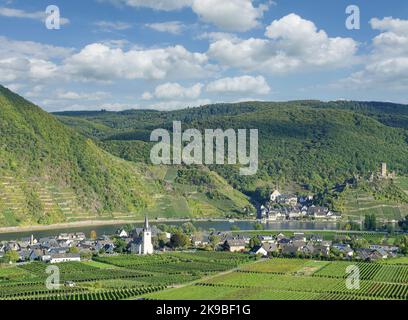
[[204, 225]]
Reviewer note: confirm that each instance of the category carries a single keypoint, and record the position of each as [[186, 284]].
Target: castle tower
[[147, 247], [383, 170]]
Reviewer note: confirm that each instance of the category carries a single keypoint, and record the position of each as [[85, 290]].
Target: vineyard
[[205, 275], [115, 277], [297, 279]]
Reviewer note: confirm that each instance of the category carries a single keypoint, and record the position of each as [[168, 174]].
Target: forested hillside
[[96, 165], [311, 143], [49, 173]]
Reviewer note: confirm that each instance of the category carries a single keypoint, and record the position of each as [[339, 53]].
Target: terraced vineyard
[[358, 203], [55, 204], [296, 279]]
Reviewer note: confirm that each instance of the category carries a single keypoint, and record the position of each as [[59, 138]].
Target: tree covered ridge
[[35, 145], [44, 164], [312, 143]]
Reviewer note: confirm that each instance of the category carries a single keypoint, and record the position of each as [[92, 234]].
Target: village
[[71, 247], [291, 207]]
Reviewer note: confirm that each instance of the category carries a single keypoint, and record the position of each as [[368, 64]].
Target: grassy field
[[205, 275]]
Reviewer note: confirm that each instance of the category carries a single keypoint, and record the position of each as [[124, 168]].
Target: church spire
[[146, 224]]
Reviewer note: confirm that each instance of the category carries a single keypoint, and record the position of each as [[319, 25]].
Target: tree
[[73, 250], [370, 222], [234, 227], [179, 240], [11, 256], [120, 245], [128, 227], [214, 241], [359, 243], [162, 239], [403, 224], [86, 255], [403, 244], [258, 226], [93, 235], [253, 242], [188, 228], [351, 225]]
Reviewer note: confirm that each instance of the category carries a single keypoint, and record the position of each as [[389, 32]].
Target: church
[[143, 245]]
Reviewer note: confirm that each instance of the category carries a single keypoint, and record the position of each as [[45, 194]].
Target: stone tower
[[147, 247], [383, 170]]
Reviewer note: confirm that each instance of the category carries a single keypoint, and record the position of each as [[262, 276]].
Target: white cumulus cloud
[[243, 84], [102, 63], [173, 27], [386, 67], [173, 91], [291, 44], [166, 5], [109, 26], [231, 15]]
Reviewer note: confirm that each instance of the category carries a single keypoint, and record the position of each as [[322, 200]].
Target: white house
[[67, 257], [122, 233], [259, 250], [275, 195]]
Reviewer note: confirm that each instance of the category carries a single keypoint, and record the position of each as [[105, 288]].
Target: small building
[[299, 236], [234, 245], [345, 249], [274, 195], [259, 250], [289, 249], [270, 247], [122, 233], [316, 238], [200, 240], [67, 257]]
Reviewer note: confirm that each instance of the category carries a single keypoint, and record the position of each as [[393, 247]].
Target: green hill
[[309, 142], [308, 145], [49, 173]]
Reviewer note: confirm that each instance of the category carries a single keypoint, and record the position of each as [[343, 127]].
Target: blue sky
[[168, 54]]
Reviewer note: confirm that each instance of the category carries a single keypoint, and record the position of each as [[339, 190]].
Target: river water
[[204, 225]]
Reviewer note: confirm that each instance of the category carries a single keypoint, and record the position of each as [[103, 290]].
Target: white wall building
[[145, 246]]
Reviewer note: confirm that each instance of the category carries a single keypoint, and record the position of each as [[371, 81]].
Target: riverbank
[[99, 223], [111, 226], [77, 224]]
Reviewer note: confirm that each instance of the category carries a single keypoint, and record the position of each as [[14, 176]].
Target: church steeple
[[147, 246], [146, 224]]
